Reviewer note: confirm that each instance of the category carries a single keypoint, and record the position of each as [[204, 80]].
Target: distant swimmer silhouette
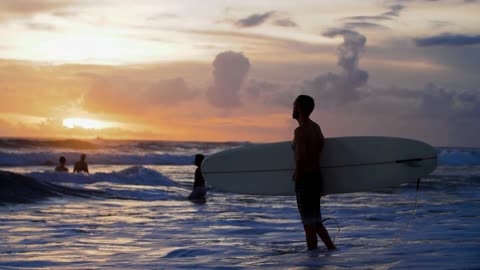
[[61, 167], [199, 189], [81, 165]]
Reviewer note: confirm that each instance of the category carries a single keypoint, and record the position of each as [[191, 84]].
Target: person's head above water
[[303, 105], [198, 159], [62, 160], [83, 157]]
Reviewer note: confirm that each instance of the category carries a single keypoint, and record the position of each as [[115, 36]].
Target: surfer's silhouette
[[307, 146], [61, 167], [81, 165], [199, 190]]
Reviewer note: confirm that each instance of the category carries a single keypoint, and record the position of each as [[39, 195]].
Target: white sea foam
[[446, 156], [459, 156], [135, 175]]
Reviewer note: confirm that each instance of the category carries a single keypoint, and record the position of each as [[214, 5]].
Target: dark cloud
[[253, 20], [229, 71], [286, 22], [336, 89], [448, 39], [394, 11], [349, 51], [367, 18]]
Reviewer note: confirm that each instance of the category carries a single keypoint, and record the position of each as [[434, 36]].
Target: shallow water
[[150, 225]]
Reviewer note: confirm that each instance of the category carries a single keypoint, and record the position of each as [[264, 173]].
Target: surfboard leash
[[402, 231], [338, 227]]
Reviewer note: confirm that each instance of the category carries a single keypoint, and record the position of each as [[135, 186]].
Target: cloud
[[437, 102], [40, 26], [364, 25], [26, 8], [253, 20], [229, 71], [65, 13], [122, 95], [447, 39], [367, 18], [337, 89], [394, 11], [260, 40], [371, 22], [163, 15], [329, 89], [286, 22]]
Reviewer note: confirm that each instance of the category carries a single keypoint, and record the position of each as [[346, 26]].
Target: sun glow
[[86, 123]]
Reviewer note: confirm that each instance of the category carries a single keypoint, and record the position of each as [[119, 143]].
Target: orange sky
[[219, 71]]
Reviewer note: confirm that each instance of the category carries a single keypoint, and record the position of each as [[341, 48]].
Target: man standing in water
[[307, 146], [81, 165]]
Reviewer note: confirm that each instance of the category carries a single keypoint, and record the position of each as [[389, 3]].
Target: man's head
[[304, 106], [62, 160], [83, 157], [198, 159]]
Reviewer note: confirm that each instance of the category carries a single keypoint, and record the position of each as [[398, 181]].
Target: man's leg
[[323, 233], [311, 236]]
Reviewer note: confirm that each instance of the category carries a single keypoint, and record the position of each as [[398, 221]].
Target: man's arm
[[300, 153]]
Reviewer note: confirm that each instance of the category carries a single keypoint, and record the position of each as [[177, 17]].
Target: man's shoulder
[[314, 123], [298, 131]]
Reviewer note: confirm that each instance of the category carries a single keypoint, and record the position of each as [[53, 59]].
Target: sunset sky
[[230, 70]]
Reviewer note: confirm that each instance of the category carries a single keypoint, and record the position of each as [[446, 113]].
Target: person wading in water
[[307, 146]]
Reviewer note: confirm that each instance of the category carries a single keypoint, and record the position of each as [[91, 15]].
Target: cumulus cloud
[[337, 89], [229, 71], [330, 89], [253, 20], [447, 39]]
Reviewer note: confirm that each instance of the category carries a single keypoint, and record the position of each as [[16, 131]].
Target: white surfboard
[[349, 164]]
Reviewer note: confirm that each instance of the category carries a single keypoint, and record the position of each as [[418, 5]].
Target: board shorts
[[308, 192]]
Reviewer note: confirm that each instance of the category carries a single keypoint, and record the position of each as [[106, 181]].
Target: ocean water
[[131, 212]]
